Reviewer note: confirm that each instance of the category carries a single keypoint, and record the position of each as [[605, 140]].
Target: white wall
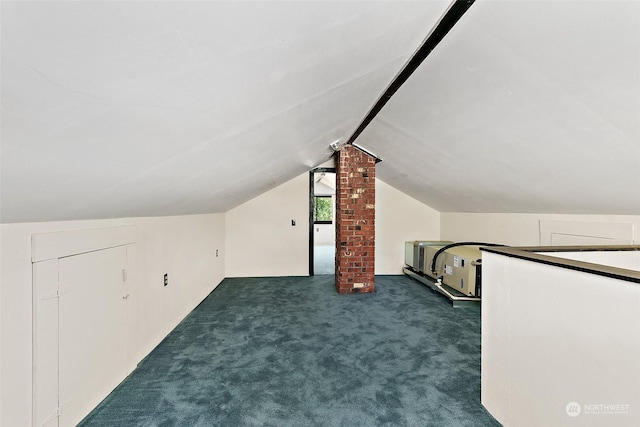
[[262, 242], [183, 246], [325, 234], [399, 218], [552, 336], [517, 229], [1, 323], [260, 238]]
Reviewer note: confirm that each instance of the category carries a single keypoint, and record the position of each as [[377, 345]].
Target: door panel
[[92, 334], [45, 343]]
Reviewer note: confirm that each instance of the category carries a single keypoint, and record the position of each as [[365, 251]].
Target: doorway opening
[[322, 228]]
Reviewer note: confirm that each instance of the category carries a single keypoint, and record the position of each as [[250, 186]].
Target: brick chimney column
[[355, 221]]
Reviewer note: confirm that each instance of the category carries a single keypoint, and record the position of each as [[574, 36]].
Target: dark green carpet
[[293, 352]]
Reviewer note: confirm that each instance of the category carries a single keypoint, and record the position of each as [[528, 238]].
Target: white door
[[92, 330]]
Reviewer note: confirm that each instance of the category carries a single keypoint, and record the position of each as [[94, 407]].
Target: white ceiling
[[526, 106], [115, 109]]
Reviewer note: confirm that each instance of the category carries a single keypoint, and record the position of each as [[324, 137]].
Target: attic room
[[177, 141]]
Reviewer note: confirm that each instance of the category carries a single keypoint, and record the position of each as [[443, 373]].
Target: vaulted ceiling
[[526, 106], [115, 109]]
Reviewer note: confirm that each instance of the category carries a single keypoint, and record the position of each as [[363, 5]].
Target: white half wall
[[184, 247], [399, 218], [559, 347], [522, 229]]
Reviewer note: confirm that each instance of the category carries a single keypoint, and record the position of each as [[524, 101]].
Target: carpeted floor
[[293, 352]]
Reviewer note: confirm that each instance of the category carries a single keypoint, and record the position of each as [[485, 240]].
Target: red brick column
[[355, 221]]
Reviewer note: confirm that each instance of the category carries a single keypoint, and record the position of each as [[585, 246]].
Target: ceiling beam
[[450, 18]]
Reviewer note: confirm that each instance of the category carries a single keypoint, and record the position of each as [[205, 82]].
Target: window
[[322, 210]]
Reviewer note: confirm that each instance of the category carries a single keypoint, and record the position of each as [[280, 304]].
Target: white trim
[[617, 233], [60, 244]]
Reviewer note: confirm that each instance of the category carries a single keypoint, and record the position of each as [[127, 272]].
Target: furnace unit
[[415, 252], [429, 253], [462, 269], [452, 269]]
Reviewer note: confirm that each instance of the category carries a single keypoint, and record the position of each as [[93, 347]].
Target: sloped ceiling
[[115, 109], [526, 106]]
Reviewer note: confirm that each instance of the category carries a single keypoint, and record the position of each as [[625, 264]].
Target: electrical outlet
[[166, 279], [293, 222], [216, 253]]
